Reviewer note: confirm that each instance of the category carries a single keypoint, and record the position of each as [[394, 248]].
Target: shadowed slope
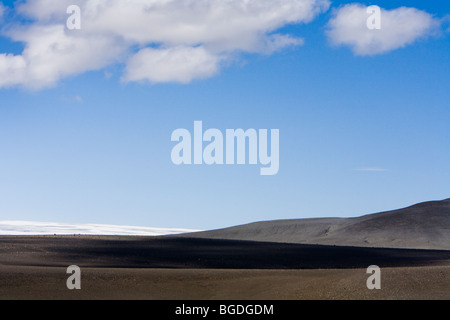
[[166, 252]]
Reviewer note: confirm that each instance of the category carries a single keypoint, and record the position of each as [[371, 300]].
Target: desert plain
[[312, 259]]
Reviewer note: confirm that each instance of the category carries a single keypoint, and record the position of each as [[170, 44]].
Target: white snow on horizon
[[12, 227]]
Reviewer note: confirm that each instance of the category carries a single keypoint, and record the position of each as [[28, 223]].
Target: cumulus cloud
[[399, 27], [51, 54], [176, 40]]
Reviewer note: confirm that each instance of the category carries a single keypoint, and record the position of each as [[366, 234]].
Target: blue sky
[[359, 133]]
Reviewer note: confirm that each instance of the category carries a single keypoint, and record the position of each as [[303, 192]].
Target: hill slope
[[423, 226]]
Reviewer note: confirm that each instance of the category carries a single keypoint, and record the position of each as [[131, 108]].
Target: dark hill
[[421, 226]]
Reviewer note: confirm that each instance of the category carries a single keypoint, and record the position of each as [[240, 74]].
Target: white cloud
[[178, 40], [51, 54], [280, 41], [12, 69], [178, 64], [50, 228], [399, 27]]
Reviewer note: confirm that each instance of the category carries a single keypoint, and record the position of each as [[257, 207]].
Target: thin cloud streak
[[371, 169]]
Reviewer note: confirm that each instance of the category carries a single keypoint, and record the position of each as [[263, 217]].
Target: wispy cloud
[[179, 64], [75, 98], [371, 169], [2, 11], [446, 22]]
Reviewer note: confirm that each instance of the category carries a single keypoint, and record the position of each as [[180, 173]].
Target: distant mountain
[[49, 228], [422, 226]]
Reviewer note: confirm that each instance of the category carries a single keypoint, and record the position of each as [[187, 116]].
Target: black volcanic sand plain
[[166, 252], [186, 268]]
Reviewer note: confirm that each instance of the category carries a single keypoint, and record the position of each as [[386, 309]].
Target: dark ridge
[[421, 226]]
